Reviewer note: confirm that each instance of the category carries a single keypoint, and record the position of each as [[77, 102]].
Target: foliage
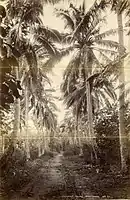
[[85, 66], [71, 150], [121, 6], [24, 36], [107, 131], [10, 86], [17, 172], [36, 46]]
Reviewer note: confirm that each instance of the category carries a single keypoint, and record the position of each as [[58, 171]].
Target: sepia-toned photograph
[[64, 99]]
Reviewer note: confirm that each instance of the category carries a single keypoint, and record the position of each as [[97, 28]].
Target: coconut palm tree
[[119, 6], [67, 128], [45, 117], [86, 39], [16, 36], [33, 40]]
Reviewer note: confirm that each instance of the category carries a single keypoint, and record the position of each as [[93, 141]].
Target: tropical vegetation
[[93, 137]]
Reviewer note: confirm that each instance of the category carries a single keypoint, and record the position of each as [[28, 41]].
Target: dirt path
[[56, 161], [49, 179], [54, 172]]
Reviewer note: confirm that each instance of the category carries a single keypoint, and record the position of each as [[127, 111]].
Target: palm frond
[[109, 44], [71, 73], [65, 15], [104, 57], [49, 33], [74, 96], [105, 34], [66, 51], [95, 60], [66, 38], [105, 98], [32, 62], [49, 64], [91, 30], [30, 11], [106, 51], [125, 4], [113, 66], [109, 89], [48, 45], [96, 99], [91, 17]]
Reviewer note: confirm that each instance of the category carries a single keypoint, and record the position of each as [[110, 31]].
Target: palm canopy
[[9, 85], [85, 28], [28, 34], [87, 40], [27, 30], [33, 40], [44, 111], [119, 6]]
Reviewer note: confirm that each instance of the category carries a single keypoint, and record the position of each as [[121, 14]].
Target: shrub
[[72, 150]]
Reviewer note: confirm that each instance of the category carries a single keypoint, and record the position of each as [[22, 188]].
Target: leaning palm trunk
[[26, 120], [122, 135], [16, 129]]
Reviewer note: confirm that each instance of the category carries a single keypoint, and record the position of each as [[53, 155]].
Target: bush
[[17, 172], [33, 152], [72, 150], [87, 153]]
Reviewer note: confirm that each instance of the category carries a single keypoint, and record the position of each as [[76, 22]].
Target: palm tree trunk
[[79, 136], [26, 121], [51, 133], [39, 147], [122, 135], [3, 143], [46, 140], [76, 135], [88, 72], [90, 121], [39, 143], [16, 130]]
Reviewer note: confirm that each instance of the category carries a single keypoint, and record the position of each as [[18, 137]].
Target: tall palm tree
[[122, 98], [26, 24], [119, 6], [67, 128], [45, 117], [18, 21], [86, 38]]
